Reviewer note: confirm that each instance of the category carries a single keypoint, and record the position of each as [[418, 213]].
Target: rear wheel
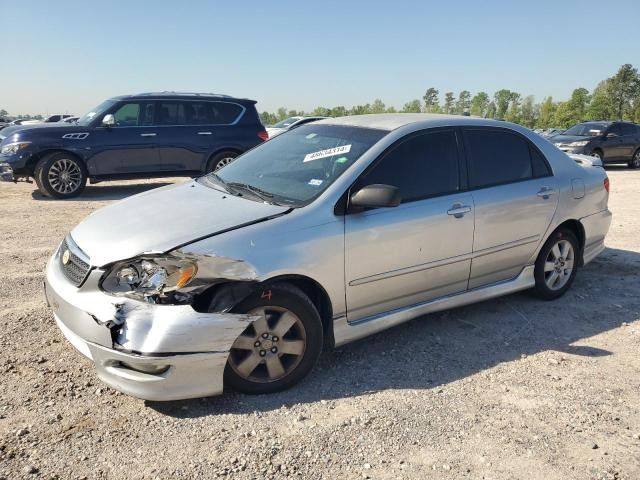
[[556, 265], [635, 160], [219, 160], [280, 348], [60, 175]]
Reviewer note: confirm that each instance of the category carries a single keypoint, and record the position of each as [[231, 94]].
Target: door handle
[[147, 134], [458, 210], [205, 133], [545, 192]]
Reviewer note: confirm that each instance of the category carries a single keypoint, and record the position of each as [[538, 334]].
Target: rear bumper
[[596, 227], [153, 352]]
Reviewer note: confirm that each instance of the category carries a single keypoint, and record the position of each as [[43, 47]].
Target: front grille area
[[77, 267]]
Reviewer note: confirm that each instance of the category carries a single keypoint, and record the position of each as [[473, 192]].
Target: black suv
[[133, 136], [612, 142]]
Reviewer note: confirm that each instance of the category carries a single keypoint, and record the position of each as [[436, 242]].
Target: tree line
[[615, 98]]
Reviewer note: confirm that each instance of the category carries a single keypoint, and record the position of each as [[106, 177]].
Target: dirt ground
[[512, 388]]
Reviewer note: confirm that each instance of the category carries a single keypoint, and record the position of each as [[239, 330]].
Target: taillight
[[606, 184], [264, 136]]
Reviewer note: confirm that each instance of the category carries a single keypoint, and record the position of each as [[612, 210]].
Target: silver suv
[[324, 235]]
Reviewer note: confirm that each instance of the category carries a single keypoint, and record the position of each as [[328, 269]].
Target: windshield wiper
[[258, 192]]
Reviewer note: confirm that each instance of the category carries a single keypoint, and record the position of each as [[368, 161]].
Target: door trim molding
[[345, 332]]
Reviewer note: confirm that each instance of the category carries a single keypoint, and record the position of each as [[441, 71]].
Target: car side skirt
[[346, 332]]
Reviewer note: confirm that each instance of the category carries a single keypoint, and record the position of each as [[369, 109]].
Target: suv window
[[497, 157], [615, 128], [225, 113], [171, 113], [134, 114], [628, 129], [423, 166]]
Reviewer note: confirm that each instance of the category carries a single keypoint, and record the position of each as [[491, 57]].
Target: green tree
[[491, 110], [3, 112], [624, 87], [449, 101], [338, 111], [480, 104], [321, 112], [431, 101], [601, 107], [502, 99], [360, 109], [378, 106], [391, 109], [547, 113], [528, 112], [464, 102], [413, 106], [281, 114], [514, 114], [268, 118]]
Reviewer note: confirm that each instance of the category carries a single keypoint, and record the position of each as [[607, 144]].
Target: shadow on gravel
[[100, 193], [437, 349]]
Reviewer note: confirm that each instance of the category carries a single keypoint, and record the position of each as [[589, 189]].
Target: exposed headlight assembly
[[11, 148], [580, 143], [149, 277]]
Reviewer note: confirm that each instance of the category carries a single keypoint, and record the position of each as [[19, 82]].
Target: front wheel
[[635, 160], [60, 175], [280, 348], [556, 265]]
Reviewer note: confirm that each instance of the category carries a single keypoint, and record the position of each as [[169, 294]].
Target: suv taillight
[[263, 135], [606, 184]]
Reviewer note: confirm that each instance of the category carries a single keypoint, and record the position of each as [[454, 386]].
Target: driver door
[[420, 250]]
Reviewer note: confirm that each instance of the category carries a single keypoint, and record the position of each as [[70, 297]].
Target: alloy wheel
[[64, 176], [635, 162], [271, 347], [559, 265], [223, 162]]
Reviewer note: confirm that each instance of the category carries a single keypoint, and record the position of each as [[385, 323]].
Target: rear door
[[515, 197], [128, 147], [420, 250]]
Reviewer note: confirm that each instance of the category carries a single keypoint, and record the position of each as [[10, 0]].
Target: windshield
[[587, 129], [287, 122], [295, 168], [87, 118]]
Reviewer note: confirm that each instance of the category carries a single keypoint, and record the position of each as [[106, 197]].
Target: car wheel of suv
[[556, 265], [278, 350], [598, 154], [635, 160], [219, 160], [60, 175]]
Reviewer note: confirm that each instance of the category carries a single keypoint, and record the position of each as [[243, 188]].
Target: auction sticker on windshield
[[329, 152]]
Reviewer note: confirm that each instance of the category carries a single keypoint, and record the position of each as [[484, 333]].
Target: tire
[[259, 352], [556, 265], [635, 160], [598, 153], [219, 160], [60, 175]]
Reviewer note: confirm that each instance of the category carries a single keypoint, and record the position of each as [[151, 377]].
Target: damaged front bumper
[[153, 352]]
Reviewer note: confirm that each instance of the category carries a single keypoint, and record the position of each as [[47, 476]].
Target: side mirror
[[109, 120], [376, 196]]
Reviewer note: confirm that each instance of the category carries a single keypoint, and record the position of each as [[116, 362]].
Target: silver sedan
[[337, 230]]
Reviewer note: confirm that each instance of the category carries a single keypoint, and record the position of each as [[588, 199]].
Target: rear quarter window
[[225, 113]]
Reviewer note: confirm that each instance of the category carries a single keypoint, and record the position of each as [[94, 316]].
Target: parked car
[[550, 132], [289, 123], [58, 117], [612, 142], [133, 136], [332, 232]]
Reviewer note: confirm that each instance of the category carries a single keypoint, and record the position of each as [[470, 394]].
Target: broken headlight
[[149, 277]]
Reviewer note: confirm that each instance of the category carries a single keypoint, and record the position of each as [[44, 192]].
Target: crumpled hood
[[162, 219]]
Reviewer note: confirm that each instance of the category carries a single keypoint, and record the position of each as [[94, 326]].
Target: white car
[[288, 124]]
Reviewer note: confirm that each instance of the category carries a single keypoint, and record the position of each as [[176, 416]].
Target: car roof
[[392, 121], [181, 96]]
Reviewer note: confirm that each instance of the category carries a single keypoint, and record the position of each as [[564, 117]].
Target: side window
[[497, 157], [423, 166], [628, 129], [198, 113], [616, 129], [539, 165], [134, 115], [225, 113], [171, 113]]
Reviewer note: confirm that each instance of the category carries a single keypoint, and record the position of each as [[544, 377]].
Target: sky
[[68, 56]]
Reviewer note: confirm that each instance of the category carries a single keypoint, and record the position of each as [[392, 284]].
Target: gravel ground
[[513, 388]]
